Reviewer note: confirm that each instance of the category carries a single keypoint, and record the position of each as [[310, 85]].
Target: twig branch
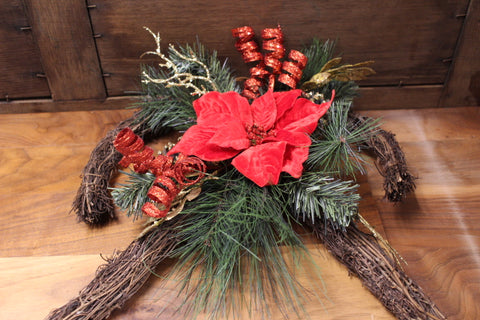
[[179, 79], [380, 274], [121, 277]]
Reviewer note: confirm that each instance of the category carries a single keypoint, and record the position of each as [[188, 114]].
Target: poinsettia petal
[[285, 100], [263, 163], [216, 104], [195, 142], [293, 138], [231, 135], [303, 116], [296, 154], [264, 111]]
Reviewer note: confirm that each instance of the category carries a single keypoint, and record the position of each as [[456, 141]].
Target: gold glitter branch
[[179, 79]]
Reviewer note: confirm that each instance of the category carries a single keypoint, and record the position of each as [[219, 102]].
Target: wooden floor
[[46, 256]]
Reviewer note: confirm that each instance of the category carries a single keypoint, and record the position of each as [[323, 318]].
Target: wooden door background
[[85, 55]]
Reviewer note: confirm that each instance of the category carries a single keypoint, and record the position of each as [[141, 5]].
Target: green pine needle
[[232, 244], [171, 107], [220, 72], [314, 196], [131, 196], [337, 142], [318, 53]]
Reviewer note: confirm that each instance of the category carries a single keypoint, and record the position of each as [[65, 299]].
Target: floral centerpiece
[[253, 164]]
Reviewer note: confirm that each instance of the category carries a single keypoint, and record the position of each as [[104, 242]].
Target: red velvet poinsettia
[[265, 138]]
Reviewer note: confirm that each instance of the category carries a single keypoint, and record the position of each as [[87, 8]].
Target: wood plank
[[409, 40], [19, 56], [64, 36], [49, 105], [59, 278], [370, 98], [437, 229], [45, 252], [57, 129], [398, 97], [463, 85]]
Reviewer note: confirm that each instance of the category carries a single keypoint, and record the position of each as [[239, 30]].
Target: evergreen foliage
[[220, 72], [233, 237], [232, 233], [167, 107], [315, 197], [318, 53], [337, 142], [131, 195]]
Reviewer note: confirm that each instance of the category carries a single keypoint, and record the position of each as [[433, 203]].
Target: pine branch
[[219, 72], [162, 108], [230, 245], [314, 197], [131, 195], [318, 53], [169, 91], [336, 144]]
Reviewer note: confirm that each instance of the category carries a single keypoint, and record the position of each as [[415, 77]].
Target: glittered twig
[[179, 79]]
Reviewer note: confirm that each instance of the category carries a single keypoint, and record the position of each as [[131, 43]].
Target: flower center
[[256, 134]]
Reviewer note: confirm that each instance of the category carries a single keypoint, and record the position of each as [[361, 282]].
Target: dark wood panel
[[383, 98], [370, 98], [63, 34], [19, 57], [409, 40], [463, 86]]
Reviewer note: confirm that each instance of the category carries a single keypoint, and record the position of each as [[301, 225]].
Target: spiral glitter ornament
[[133, 150], [246, 44], [172, 175], [293, 69], [273, 44], [250, 53]]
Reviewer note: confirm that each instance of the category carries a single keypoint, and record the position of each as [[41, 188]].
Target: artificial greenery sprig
[[233, 236], [169, 91], [131, 195], [315, 197], [337, 143]]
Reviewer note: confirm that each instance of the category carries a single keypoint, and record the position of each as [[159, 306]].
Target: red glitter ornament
[[246, 44], [172, 175], [250, 53], [270, 65], [293, 69], [273, 44]]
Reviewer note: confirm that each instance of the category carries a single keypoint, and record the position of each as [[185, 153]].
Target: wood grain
[[64, 37], [19, 56], [45, 252], [49, 105], [407, 39], [437, 230]]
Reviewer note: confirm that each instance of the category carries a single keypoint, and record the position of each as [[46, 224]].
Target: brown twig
[[121, 277], [390, 162], [380, 274], [93, 203]]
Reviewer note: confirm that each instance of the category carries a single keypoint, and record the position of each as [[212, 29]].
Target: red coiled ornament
[[270, 65], [172, 175]]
